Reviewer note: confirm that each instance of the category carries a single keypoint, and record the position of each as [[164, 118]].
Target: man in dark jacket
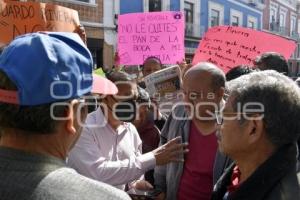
[[258, 129]]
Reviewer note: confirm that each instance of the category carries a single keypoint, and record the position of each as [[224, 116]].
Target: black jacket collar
[[263, 180]]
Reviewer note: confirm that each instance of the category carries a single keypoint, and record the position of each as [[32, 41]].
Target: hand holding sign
[[159, 34], [228, 46]]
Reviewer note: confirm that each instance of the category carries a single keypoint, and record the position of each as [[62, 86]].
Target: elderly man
[[43, 77], [203, 86], [259, 127], [110, 149]]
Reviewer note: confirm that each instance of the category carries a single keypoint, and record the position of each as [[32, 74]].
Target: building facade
[[91, 15], [281, 17], [219, 12]]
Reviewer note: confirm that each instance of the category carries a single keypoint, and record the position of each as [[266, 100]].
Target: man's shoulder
[[66, 183]]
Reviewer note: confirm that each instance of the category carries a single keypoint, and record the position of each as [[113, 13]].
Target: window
[[281, 20], [251, 22], [272, 15], [154, 5], [235, 21], [189, 18], [216, 14], [189, 12], [251, 25], [273, 20], [215, 17], [293, 25], [236, 18]]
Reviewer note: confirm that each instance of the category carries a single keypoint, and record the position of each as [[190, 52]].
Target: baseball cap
[[48, 67], [102, 85]]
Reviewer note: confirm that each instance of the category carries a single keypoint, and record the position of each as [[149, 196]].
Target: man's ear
[[255, 128], [71, 117]]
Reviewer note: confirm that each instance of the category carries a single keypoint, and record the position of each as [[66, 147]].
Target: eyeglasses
[[219, 115]]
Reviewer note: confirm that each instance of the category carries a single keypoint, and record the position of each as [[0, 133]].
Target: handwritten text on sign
[[159, 34], [228, 46], [17, 18]]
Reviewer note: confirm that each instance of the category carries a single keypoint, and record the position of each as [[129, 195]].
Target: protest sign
[[159, 34], [17, 18], [229, 46]]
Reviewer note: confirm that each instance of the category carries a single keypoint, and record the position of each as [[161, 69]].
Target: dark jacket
[[275, 179], [167, 177]]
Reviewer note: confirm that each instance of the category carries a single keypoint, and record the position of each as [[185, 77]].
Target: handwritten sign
[[159, 34], [228, 46], [17, 18]]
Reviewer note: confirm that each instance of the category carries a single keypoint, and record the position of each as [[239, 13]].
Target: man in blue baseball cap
[[43, 80]]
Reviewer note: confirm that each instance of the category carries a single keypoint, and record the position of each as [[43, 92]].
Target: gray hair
[[280, 97]]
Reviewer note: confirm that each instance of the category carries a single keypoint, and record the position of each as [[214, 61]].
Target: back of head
[[279, 97], [272, 61], [37, 70], [217, 76], [238, 71]]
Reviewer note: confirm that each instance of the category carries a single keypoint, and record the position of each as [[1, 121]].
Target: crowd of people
[[69, 134]]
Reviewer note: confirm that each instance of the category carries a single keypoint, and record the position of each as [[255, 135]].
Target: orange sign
[[17, 18]]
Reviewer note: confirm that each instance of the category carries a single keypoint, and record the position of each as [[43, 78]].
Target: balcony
[[295, 35], [280, 30]]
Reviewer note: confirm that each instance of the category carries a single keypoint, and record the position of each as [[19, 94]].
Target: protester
[[43, 77], [194, 121], [238, 71], [110, 149], [272, 61], [148, 131], [259, 129], [151, 64]]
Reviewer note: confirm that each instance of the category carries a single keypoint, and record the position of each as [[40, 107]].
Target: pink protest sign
[[229, 46], [159, 34]]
